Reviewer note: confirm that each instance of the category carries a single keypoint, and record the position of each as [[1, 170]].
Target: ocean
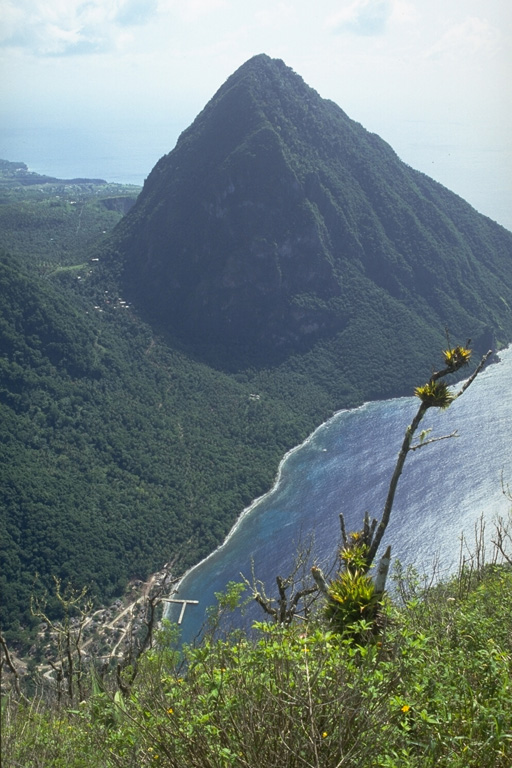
[[66, 152], [345, 466]]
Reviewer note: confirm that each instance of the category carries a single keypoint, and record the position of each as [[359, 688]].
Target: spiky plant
[[435, 394], [351, 597], [354, 554], [457, 357]]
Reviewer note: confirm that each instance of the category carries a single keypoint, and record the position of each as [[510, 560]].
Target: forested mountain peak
[[277, 222]]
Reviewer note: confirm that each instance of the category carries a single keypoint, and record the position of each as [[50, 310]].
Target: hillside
[[54, 222], [118, 453]]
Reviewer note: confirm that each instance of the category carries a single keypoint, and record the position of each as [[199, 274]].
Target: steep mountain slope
[[277, 223], [117, 453]]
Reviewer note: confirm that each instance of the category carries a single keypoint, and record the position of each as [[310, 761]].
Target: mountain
[[278, 223]]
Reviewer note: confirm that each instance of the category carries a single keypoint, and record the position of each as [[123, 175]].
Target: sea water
[[346, 465], [117, 154]]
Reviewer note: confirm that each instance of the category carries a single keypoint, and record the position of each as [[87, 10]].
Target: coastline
[[247, 510], [495, 359]]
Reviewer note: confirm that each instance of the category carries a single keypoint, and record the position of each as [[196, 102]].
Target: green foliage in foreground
[[435, 689]]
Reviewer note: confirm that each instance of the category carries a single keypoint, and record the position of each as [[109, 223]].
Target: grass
[[432, 688]]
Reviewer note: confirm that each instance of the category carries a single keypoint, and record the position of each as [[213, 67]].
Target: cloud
[[193, 10], [63, 27], [472, 37], [136, 12], [363, 17]]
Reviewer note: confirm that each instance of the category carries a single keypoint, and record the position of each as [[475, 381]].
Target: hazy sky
[[432, 77]]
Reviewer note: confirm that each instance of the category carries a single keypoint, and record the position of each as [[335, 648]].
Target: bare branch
[[474, 374], [460, 358], [433, 440], [265, 604], [292, 590], [319, 577], [344, 536], [404, 450], [502, 538], [382, 572], [12, 667]]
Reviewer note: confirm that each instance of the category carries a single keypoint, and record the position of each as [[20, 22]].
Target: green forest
[[119, 453]]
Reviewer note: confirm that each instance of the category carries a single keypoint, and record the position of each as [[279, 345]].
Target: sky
[[103, 88]]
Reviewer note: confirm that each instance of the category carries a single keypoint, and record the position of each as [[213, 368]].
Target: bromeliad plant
[[435, 394], [353, 598], [456, 357]]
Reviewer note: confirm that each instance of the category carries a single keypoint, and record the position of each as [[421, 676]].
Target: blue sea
[[345, 466], [124, 155]]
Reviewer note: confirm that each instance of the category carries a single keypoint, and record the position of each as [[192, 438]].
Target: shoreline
[[495, 359], [247, 510]]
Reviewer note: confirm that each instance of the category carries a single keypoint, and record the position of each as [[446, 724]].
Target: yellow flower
[[324, 735], [405, 708], [170, 711]]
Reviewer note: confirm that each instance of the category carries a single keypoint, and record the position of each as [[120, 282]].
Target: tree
[[295, 595], [353, 593], [68, 635]]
